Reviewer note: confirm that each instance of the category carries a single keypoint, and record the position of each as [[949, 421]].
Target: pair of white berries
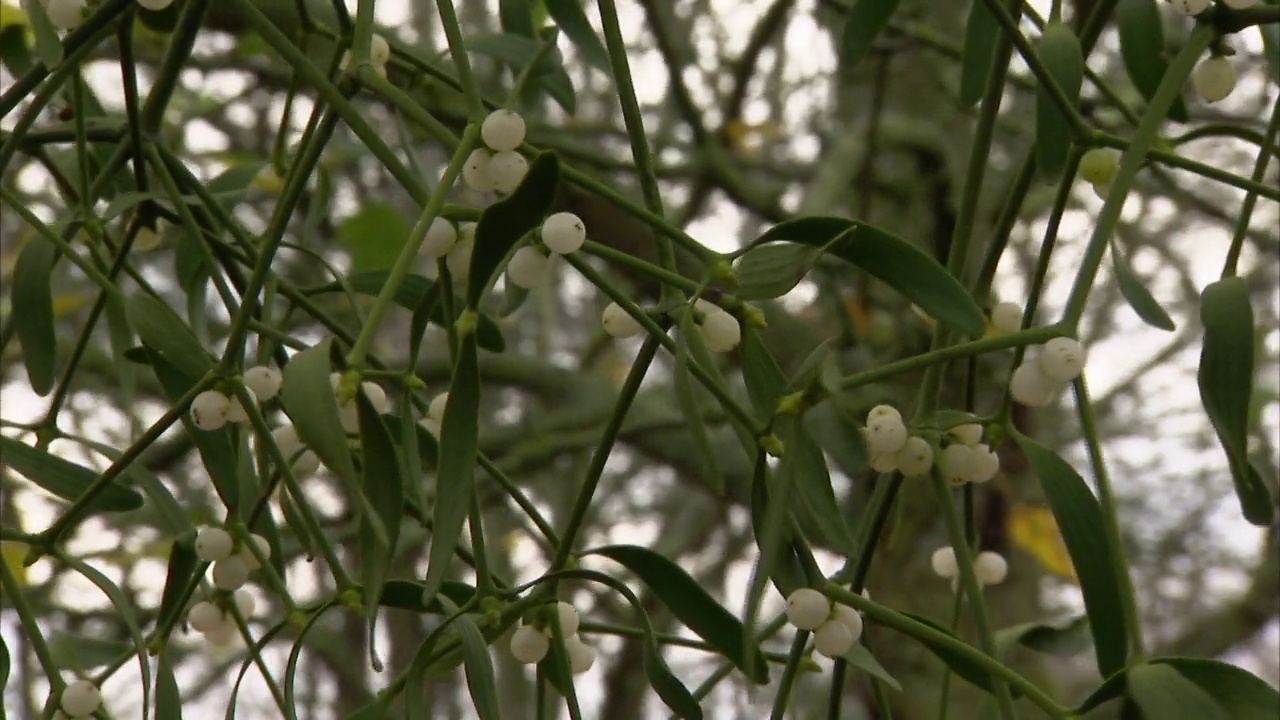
[[892, 447], [1045, 369], [348, 410], [969, 460], [530, 644], [497, 166], [1192, 8], [211, 409], [990, 567], [453, 243], [216, 624], [304, 460], [836, 627], [79, 699], [231, 566], [561, 233], [379, 55]]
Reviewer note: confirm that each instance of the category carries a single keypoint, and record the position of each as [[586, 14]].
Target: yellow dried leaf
[[14, 553], [1033, 528], [11, 14]]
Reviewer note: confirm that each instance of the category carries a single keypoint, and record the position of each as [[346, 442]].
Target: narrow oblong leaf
[[769, 271], [1064, 638], [64, 478], [861, 27], [573, 22], [407, 595], [163, 331], [764, 379], [1242, 694], [690, 604], [1226, 385], [893, 261], [182, 567], [981, 30], [1141, 31], [860, 657], [1059, 51], [383, 489], [32, 296], [673, 693], [1162, 692], [815, 505], [309, 399], [1083, 530], [503, 223], [1135, 292], [479, 669], [168, 696]]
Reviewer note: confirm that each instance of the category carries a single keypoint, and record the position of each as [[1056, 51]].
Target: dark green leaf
[[32, 295], [163, 331], [1060, 52], [383, 488], [769, 271], [573, 22], [860, 657], [374, 236], [48, 46], [182, 567], [85, 652], [1162, 692], [516, 17], [1083, 530], [64, 478], [764, 379], [14, 53], [893, 261], [1142, 48], [479, 666], [412, 293], [407, 595], [1226, 383], [1066, 638], [309, 399], [518, 52], [981, 31], [815, 503], [168, 697], [161, 21], [690, 604], [456, 477], [231, 184], [1135, 292], [865, 21], [503, 223], [673, 693], [785, 571], [1244, 695]]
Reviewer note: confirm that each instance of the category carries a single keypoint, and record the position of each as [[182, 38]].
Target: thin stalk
[[1251, 197]]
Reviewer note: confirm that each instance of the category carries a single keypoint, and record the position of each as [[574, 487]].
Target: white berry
[[958, 462], [67, 15], [720, 331], [944, 562], [379, 51], [209, 410], [506, 170], [618, 323], [236, 412], [1006, 317], [807, 608], [969, 433], [230, 573], [568, 618], [458, 260], [287, 440], [1099, 165], [581, 656], [213, 544], [251, 560], [224, 632], [884, 435], [528, 267], [502, 130], [563, 232], [264, 382], [990, 568], [915, 458], [435, 410], [1214, 79], [850, 618], [245, 603], [441, 235], [833, 639], [155, 4], [1062, 359], [80, 698], [1029, 386], [983, 464], [528, 645], [884, 411], [475, 172], [204, 617], [1191, 8], [148, 238]]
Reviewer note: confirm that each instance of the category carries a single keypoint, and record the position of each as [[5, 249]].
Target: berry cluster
[[530, 643], [215, 623], [892, 447], [1045, 369], [969, 459], [79, 699], [211, 409], [231, 564], [836, 627], [990, 567], [497, 166], [561, 233]]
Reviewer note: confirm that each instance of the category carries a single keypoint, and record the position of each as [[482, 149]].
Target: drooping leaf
[[32, 296], [164, 332], [383, 488], [1226, 385], [64, 478], [816, 505], [981, 31], [374, 235], [503, 223], [861, 27], [309, 399], [1059, 51], [573, 22], [1142, 47], [690, 604], [1135, 292], [481, 684], [673, 693], [182, 567], [1084, 531], [892, 260]]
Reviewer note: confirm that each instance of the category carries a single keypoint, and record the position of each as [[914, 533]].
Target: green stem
[[1251, 197], [179, 45], [15, 594], [1174, 160], [458, 50]]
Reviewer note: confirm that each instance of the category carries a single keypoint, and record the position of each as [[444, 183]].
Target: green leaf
[[168, 696], [892, 260], [1226, 383], [518, 52], [865, 21], [690, 604], [516, 17], [14, 53], [291, 665], [784, 568], [32, 296], [690, 407], [82, 653], [573, 22], [374, 236], [1064, 638], [125, 612], [769, 271], [309, 399], [479, 667], [1135, 292], [673, 693], [1142, 47], [161, 21], [981, 31], [815, 503], [48, 46], [1162, 692], [1060, 52], [860, 657], [162, 330], [407, 595], [456, 477], [182, 568], [383, 488], [503, 223], [764, 379], [1244, 695], [1083, 530], [414, 291], [64, 478]]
